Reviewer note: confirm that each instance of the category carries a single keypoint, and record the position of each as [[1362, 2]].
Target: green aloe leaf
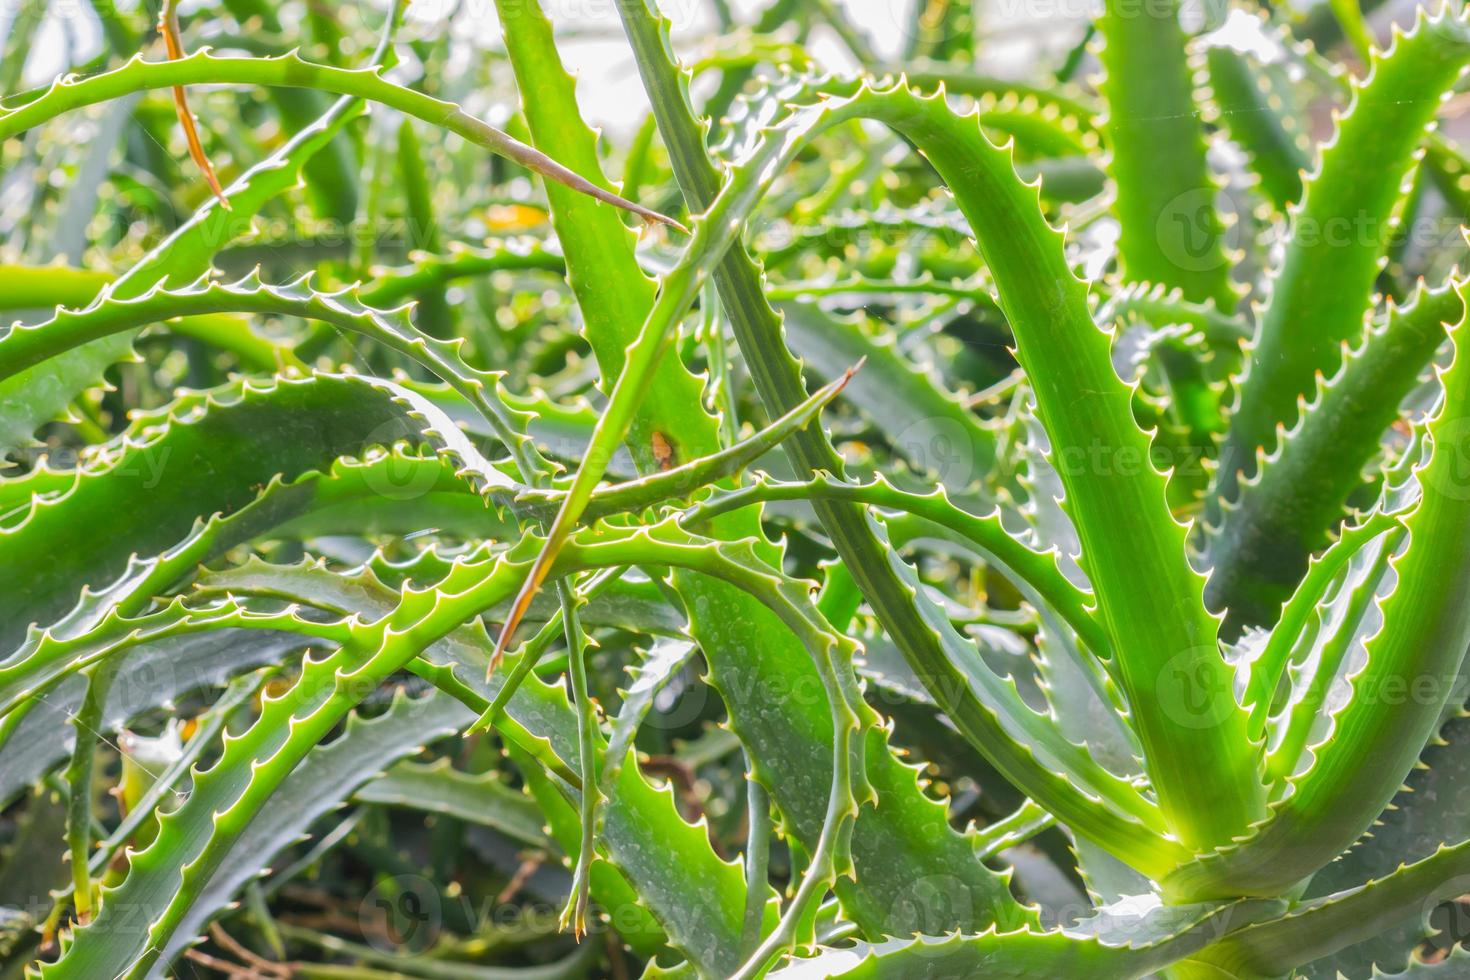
[[1327, 924], [1286, 512], [37, 394], [158, 467], [323, 782], [1170, 231], [748, 652], [437, 787], [1253, 101], [666, 859], [1130, 940], [291, 70], [1026, 261], [1417, 634], [1423, 817], [1340, 231], [30, 346], [662, 663], [150, 675], [928, 425]]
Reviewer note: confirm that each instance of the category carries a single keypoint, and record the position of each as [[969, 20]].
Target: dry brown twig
[[168, 26]]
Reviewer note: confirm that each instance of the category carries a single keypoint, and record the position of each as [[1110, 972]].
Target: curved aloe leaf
[[1169, 229], [389, 287], [471, 586], [927, 424], [1320, 296], [437, 787], [321, 783], [291, 70], [193, 841], [1286, 511], [1026, 261], [1417, 635], [37, 394], [1123, 942], [1038, 570], [749, 653], [661, 665], [1325, 925], [1247, 100], [679, 481], [151, 674], [158, 468], [1424, 816], [46, 287], [29, 346]]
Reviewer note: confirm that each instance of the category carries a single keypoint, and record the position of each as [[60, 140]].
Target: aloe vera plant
[[896, 521]]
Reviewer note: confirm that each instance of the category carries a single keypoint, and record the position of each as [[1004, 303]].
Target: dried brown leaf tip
[[168, 26]]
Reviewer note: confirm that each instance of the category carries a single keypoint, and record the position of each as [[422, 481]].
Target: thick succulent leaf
[[932, 428], [386, 492], [471, 586], [993, 701], [437, 787], [291, 70], [1169, 229], [38, 393], [613, 891], [47, 656], [25, 290], [1182, 355], [1042, 127], [1253, 102], [1160, 306], [32, 399], [390, 287], [1038, 572], [1427, 813], [322, 782], [714, 232], [1321, 294], [1068, 359], [1327, 649], [28, 346], [1287, 510], [676, 482], [1122, 942], [1415, 636], [164, 473], [1325, 925], [851, 719], [1268, 657], [651, 675], [613, 292], [749, 653], [399, 490], [1066, 101], [142, 915], [668, 861], [151, 674]]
